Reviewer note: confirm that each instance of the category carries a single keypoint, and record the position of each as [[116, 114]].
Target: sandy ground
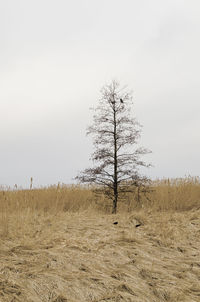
[[85, 257]]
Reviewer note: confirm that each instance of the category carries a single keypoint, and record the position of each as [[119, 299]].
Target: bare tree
[[115, 134]]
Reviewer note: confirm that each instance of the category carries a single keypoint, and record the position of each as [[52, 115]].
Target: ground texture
[[73, 257]]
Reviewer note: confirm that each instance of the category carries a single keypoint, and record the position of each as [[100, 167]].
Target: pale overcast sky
[[56, 55]]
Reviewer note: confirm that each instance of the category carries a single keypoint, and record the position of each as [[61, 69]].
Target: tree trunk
[[114, 209], [115, 187]]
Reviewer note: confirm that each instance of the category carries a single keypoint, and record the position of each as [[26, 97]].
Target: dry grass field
[[59, 244]]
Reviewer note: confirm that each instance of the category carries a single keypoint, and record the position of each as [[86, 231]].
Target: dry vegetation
[[59, 244]]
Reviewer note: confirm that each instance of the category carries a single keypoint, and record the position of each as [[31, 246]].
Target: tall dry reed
[[167, 194], [163, 195]]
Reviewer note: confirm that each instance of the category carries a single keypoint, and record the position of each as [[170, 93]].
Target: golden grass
[[85, 257], [59, 244], [175, 194]]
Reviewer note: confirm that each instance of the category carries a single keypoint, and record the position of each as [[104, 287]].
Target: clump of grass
[[50, 199], [178, 194]]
